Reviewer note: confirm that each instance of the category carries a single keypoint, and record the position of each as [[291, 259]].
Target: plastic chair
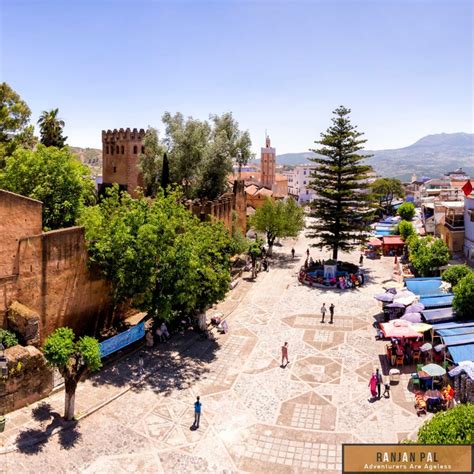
[[415, 380], [416, 357], [399, 361]]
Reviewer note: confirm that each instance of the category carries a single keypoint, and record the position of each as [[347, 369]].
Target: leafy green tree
[[14, 118], [385, 190], [455, 273], [427, 254], [165, 174], [151, 161], [157, 254], [51, 128], [255, 251], [187, 142], [73, 358], [406, 229], [463, 302], [455, 426], [240, 243], [407, 211], [278, 219], [8, 338], [52, 176], [341, 208]]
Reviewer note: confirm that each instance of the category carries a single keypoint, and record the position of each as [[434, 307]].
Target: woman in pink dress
[[373, 386]]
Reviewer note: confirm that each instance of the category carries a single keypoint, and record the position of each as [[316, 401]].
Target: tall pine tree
[[165, 174], [342, 208]]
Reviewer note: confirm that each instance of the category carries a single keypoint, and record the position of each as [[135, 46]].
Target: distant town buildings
[[299, 179]]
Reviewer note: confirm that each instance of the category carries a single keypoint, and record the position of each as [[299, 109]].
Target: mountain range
[[432, 155]]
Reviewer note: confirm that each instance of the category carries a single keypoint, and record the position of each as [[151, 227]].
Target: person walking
[[331, 312], [292, 253], [361, 259], [323, 312], [141, 363], [379, 383], [197, 412], [284, 355], [307, 252], [373, 387]]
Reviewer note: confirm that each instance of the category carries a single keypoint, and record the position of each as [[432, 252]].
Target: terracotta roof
[[265, 192], [251, 189], [280, 177], [393, 240]]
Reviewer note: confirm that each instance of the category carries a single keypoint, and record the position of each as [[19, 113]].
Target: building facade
[[267, 164], [469, 228], [299, 180]]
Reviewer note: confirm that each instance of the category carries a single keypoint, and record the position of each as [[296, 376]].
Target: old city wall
[[47, 272], [55, 282], [224, 207], [18, 217]]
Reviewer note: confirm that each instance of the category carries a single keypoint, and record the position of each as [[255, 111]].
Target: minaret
[[268, 164]]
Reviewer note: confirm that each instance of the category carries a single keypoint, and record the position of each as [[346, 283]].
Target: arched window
[[115, 169], [143, 149], [135, 149], [107, 149], [117, 149], [111, 149], [122, 149]]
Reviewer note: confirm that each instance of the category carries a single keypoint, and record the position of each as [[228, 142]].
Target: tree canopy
[[407, 211], [151, 161], [52, 176], [278, 219], [406, 229], [201, 152], [14, 119], [427, 254], [463, 302], [455, 273], [455, 426], [72, 357], [385, 190], [51, 128], [157, 254], [342, 206]]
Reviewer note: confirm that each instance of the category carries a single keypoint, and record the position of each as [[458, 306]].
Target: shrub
[[406, 229], [455, 426], [463, 302], [8, 338], [455, 273], [427, 254], [407, 211]]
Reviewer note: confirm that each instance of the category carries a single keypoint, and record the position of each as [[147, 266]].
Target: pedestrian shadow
[[33, 440]]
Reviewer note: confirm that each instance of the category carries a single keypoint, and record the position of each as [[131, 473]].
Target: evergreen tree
[[165, 173], [342, 206]]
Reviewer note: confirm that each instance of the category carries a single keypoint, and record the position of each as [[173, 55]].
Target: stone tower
[[121, 150], [268, 164]]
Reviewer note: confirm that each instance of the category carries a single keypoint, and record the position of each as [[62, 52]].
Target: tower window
[[107, 149], [115, 169], [122, 149], [135, 149], [112, 150], [117, 149]]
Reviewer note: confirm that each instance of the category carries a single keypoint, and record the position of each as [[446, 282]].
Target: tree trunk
[[201, 317], [334, 252], [70, 399], [270, 242]]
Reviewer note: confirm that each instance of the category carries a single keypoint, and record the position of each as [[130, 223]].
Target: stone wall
[[18, 217], [29, 378], [223, 207], [50, 275]]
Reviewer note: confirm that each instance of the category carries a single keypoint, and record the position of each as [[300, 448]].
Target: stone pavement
[[257, 416]]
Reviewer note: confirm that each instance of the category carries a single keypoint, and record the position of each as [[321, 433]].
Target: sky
[[404, 67]]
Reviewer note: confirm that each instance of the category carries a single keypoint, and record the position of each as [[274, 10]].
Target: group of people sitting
[[409, 349], [161, 334]]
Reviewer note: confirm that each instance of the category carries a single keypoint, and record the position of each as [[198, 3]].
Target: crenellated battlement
[[112, 136]]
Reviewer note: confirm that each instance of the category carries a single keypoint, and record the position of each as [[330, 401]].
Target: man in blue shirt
[[197, 412]]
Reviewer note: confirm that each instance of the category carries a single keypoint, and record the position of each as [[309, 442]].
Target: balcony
[[454, 222]]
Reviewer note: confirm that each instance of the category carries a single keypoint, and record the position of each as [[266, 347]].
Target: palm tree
[[51, 128]]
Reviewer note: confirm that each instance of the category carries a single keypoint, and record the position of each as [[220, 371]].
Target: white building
[[299, 179], [469, 228]]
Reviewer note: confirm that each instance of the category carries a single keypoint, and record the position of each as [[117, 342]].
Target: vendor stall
[[392, 245]]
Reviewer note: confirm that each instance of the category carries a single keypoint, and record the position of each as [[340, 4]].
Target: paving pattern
[[257, 416]]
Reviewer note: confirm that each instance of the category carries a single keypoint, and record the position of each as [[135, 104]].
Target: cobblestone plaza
[[257, 416]]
